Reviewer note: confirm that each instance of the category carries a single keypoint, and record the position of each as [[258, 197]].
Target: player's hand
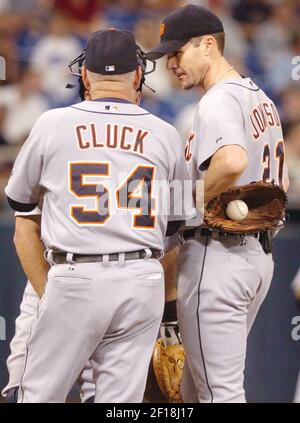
[[169, 331]]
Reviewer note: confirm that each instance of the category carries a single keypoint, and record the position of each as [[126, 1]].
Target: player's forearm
[[215, 183], [30, 250], [226, 166], [169, 263], [286, 179], [34, 265]]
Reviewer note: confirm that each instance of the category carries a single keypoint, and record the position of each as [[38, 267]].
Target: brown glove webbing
[[266, 204]]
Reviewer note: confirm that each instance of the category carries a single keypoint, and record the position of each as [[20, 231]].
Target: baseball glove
[[168, 363], [266, 204], [152, 392]]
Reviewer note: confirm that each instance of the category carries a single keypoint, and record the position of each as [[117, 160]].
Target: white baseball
[[237, 210]]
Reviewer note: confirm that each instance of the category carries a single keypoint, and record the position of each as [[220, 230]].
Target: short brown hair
[[220, 39]]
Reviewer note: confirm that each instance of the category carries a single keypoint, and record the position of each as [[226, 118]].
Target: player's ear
[[137, 77], [85, 78], [208, 44]]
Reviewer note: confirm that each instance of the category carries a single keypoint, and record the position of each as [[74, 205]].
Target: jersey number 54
[[135, 193]]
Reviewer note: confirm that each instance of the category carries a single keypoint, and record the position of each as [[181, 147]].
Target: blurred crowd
[[39, 38]]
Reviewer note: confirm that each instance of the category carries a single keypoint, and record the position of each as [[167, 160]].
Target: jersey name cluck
[[99, 164], [238, 112]]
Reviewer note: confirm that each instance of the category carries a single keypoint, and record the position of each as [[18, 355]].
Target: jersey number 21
[[279, 156]]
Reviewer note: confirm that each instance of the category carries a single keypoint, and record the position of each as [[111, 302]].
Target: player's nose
[[171, 63]]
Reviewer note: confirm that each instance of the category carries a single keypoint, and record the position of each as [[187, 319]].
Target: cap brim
[[165, 47]]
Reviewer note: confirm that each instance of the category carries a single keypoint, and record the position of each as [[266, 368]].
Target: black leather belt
[[60, 257], [204, 232]]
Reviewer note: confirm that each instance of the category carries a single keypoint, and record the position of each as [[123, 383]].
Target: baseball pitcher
[[236, 139]]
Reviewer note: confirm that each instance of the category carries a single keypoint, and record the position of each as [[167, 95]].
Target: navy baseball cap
[[111, 52], [181, 25]]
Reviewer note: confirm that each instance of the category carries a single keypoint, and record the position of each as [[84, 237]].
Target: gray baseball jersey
[[237, 112], [102, 165], [222, 281]]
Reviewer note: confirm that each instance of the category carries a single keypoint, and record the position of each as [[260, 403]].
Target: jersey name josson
[[264, 116]]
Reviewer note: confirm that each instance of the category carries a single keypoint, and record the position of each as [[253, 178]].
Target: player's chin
[[186, 85]]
